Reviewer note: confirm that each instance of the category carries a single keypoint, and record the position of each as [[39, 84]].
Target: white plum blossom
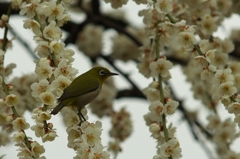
[[208, 73], [220, 60], [20, 124], [40, 87], [224, 133], [59, 84], [49, 136], [42, 49], [152, 91], [57, 47], [19, 136], [214, 122], [44, 116], [114, 146], [121, 47], [210, 54], [47, 98], [237, 119], [30, 8], [234, 108], [164, 6], [52, 32], [143, 67], [71, 117], [37, 149], [44, 70], [235, 67], [170, 107], [89, 41], [200, 62], [227, 45], [11, 100], [156, 111], [53, 11], [171, 148], [91, 136], [38, 129], [83, 150], [222, 76], [64, 69], [226, 89], [186, 40], [162, 67], [85, 139], [24, 152], [34, 25], [98, 152], [208, 24]]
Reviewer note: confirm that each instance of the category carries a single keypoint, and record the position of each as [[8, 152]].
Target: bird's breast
[[83, 100]]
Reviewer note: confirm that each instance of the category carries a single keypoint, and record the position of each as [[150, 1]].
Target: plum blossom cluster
[[54, 73], [41, 17], [224, 135], [18, 87], [84, 138], [217, 78], [27, 147], [158, 67], [90, 36], [120, 131], [30, 149], [121, 125], [210, 68], [122, 44], [12, 107], [53, 69], [154, 119]]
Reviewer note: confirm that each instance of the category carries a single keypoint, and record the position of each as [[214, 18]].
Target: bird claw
[[81, 117]]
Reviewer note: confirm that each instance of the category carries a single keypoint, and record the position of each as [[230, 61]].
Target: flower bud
[[154, 128], [10, 87], [9, 118], [50, 125], [4, 17]]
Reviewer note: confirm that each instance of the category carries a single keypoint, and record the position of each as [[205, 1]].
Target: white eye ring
[[101, 72]]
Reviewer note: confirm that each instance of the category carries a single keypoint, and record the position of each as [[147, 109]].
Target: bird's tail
[[57, 108]]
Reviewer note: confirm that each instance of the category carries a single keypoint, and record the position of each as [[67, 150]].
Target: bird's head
[[101, 73]]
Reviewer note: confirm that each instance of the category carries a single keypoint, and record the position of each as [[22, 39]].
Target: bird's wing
[[78, 87]]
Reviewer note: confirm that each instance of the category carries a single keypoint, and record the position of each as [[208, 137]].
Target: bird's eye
[[101, 72]]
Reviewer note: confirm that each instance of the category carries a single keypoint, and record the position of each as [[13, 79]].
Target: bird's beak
[[112, 74]]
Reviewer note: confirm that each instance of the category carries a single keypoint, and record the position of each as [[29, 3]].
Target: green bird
[[83, 90]]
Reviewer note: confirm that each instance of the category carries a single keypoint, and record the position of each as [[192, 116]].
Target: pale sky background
[[139, 145]]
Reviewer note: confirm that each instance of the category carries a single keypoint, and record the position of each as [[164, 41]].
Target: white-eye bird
[[83, 90]]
